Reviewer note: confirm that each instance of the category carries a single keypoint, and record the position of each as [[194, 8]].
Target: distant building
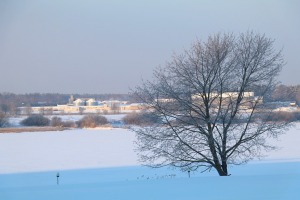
[[91, 102], [248, 99], [79, 102], [86, 105], [71, 100]]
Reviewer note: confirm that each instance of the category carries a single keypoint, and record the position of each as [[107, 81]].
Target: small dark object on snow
[[57, 176]]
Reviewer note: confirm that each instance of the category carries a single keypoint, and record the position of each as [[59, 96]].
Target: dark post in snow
[[57, 177], [189, 172]]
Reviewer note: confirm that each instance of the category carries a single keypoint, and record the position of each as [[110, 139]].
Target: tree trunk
[[222, 169]]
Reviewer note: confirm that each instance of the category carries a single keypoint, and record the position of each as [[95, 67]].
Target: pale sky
[[97, 46]]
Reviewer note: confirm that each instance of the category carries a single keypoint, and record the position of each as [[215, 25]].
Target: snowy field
[[70, 149], [101, 164]]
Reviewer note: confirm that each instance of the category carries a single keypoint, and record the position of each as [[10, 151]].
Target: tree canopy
[[210, 115]]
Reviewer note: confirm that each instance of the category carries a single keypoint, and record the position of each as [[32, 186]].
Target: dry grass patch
[[30, 129]]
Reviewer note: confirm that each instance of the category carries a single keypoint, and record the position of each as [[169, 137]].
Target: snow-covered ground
[[276, 181], [101, 164], [95, 148], [71, 149], [78, 117]]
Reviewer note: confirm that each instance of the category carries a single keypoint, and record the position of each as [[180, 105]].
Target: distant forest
[[283, 93], [10, 101]]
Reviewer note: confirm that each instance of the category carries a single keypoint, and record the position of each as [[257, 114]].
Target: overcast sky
[[97, 46]]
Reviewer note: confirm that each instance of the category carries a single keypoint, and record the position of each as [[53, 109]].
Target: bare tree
[[8, 108], [211, 117], [92, 121], [284, 93], [12, 108], [3, 119], [141, 118], [4, 108], [35, 120]]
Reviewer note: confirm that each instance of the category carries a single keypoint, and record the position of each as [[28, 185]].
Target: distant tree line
[[10, 101], [286, 93]]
